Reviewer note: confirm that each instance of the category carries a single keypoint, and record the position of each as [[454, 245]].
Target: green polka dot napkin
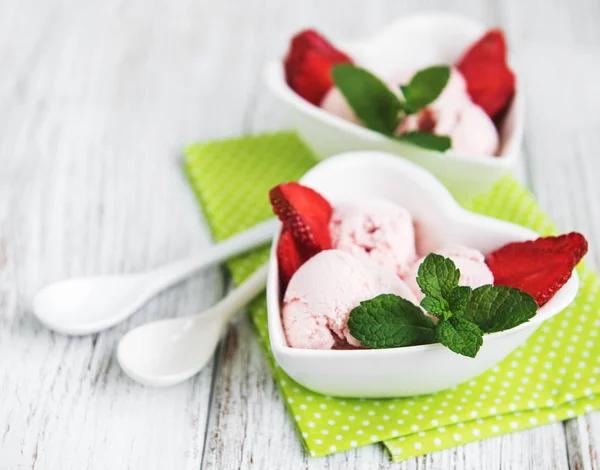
[[554, 376]]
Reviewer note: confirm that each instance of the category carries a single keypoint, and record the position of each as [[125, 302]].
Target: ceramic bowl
[[417, 41], [416, 369]]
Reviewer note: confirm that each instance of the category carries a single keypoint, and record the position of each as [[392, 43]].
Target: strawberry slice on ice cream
[[288, 257], [305, 215], [539, 267], [490, 82], [308, 65]]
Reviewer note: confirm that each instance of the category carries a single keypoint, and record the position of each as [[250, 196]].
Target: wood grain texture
[[93, 116], [560, 140], [96, 100]]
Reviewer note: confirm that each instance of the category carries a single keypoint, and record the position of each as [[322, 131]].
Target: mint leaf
[[437, 276], [389, 321], [441, 143], [498, 308], [408, 109], [436, 306], [370, 99], [425, 86], [458, 299], [460, 335], [438, 279]]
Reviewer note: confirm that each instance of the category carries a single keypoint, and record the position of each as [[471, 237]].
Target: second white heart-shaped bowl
[[408, 44], [416, 369]]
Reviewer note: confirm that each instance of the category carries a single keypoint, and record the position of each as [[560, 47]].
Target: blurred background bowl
[[416, 41]]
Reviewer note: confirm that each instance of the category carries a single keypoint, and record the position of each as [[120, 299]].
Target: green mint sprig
[[424, 87], [389, 321], [382, 111], [372, 101], [465, 314]]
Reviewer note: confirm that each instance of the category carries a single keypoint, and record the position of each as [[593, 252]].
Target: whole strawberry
[[308, 65]]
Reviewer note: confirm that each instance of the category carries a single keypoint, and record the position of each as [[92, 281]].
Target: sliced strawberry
[[490, 82], [308, 65], [490, 47], [288, 258], [491, 85], [573, 242], [306, 214], [539, 267]]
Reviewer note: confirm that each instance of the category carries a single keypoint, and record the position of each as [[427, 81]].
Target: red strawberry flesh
[[308, 65], [490, 47], [573, 242], [490, 85], [539, 267], [490, 82], [288, 258], [306, 214]]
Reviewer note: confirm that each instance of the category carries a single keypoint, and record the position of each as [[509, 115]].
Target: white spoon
[[90, 304], [167, 352]]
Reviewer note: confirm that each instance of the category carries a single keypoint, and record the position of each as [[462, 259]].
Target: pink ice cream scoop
[[454, 114], [471, 263], [335, 103], [377, 230], [323, 292]]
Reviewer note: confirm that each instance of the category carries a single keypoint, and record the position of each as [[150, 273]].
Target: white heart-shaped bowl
[[416, 41], [416, 369]]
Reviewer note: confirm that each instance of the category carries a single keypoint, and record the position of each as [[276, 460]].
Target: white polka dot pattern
[[554, 376]]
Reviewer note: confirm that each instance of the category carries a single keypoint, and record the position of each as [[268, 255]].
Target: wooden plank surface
[[96, 100]]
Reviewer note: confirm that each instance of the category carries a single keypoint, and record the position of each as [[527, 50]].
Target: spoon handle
[[172, 273], [239, 297]]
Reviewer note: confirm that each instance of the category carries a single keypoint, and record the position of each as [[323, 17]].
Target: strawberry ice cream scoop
[[335, 103], [323, 292], [471, 263], [454, 114], [377, 230]]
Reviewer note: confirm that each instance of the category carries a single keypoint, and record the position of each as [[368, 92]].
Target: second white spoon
[[166, 352], [86, 305]]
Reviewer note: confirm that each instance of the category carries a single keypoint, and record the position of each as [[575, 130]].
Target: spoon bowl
[[87, 305], [167, 352]]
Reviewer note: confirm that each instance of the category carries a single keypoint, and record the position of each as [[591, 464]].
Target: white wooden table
[[96, 101]]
